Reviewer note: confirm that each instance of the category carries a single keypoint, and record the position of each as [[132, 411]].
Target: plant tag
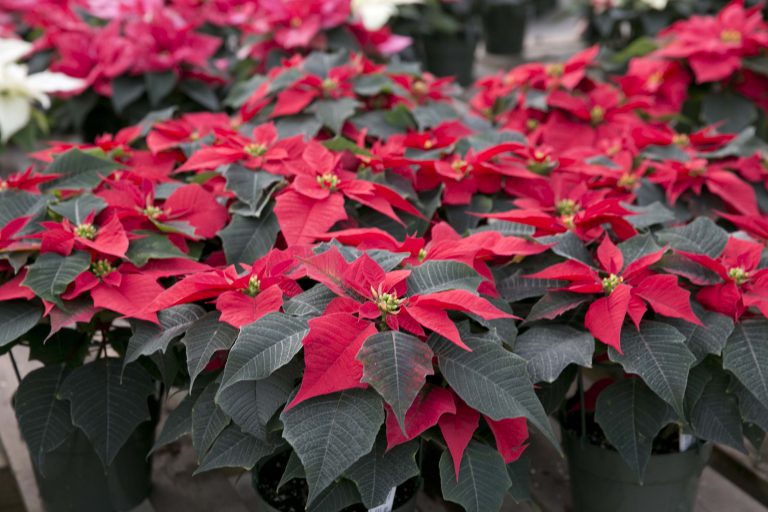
[[686, 440], [387, 505]]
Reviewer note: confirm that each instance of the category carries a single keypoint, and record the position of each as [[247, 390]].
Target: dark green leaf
[[264, 346], [235, 449], [702, 236], [491, 380], [200, 92], [16, 318], [77, 209], [44, 419], [177, 424], [311, 302], [159, 86], [50, 275], [637, 247], [483, 479], [396, 364], [706, 339], [378, 472], [715, 416], [203, 338], [734, 112], [15, 204], [549, 349], [519, 473], [332, 432], [338, 496], [658, 354], [440, 275], [125, 91], [79, 169], [333, 113], [249, 185], [152, 246], [746, 355], [631, 415], [554, 304], [247, 239], [148, 337], [108, 402], [208, 420]]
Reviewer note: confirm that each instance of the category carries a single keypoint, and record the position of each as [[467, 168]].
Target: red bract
[[366, 290], [628, 287], [715, 45], [28, 181], [744, 284], [241, 298], [565, 203], [105, 238], [189, 128], [314, 201]]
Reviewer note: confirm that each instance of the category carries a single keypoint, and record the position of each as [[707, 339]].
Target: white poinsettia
[[19, 90], [376, 13], [658, 5]]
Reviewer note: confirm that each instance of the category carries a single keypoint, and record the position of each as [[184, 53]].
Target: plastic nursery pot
[[292, 496], [504, 23], [602, 482], [451, 54], [74, 478]]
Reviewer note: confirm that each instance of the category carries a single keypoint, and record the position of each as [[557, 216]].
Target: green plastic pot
[[74, 478], [451, 55], [504, 23], [602, 482]]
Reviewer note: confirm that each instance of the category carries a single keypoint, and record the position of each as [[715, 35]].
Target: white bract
[[19, 90], [376, 13]]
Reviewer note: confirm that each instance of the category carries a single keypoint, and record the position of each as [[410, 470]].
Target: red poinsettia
[[314, 201], [628, 289], [714, 45], [744, 284], [104, 238], [241, 298]]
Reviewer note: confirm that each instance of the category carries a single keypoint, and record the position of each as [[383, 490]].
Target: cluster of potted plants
[[363, 287]]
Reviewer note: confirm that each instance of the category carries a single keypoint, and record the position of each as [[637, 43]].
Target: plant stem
[[15, 366], [582, 406]]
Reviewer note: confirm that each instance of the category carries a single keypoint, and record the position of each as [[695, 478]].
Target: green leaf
[[77, 209], [306, 125], [15, 204], [177, 424], [432, 114], [637, 247], [549, 349], [203, 338], [333, 113], [235, 449], [552, 395], [247, 239], [159, 86], [734, 112], [373, 84], [631, 415], [440, 275], [340, 495], [706, 339], [311, 302], [650, 215], [152, 246], [264, 346], [201, 93], [746, 355], [251, 404], [702, 236], [491, 380], [50, 275], [332, 432], [80, 170], [554, 304], [125, 91], [340, 143], [569, 246], [148, 337], [208, 420], [249, 185], [396, 364], [376, 473], [108, 402], [715, 415], [752, 411], [519, 473], [658, 354], [483, 479], [293, 469], [17, 317], [44, 419]]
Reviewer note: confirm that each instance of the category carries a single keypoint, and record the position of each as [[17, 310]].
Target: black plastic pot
[[74, 479], [602, 482], [450, 54], [504, 23]]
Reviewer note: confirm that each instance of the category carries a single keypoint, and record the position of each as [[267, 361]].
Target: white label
[[686, 440], [387, 505]]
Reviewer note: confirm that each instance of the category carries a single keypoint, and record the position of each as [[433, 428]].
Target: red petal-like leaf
[[606, 315], [510, 435], [425, 412], [458, 429]]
